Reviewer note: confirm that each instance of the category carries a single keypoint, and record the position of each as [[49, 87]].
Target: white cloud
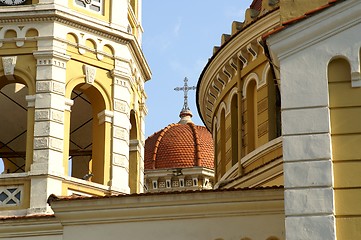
[[177, 27]]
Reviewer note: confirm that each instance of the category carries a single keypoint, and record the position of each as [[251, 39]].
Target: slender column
[[143, 112], [48, 145], [121, 128]]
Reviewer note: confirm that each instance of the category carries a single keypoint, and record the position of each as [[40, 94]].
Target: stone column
[[308, 170], [121, 128], [48, 147], [143, 112]]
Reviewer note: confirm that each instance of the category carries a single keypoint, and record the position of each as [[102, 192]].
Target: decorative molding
[[9, 67], [90, 73], [42, 114], [356, 79], [68, 103], [51, 58], [120, 133], [48, 142], [252, 49], [121, 106], [120, 161], [50, 86], [31, 100], [105, 116]]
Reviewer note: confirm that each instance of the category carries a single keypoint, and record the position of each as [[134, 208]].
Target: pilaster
[[308, 173], [121, 129], [48, 147]]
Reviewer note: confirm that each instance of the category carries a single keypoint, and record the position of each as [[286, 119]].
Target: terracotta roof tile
[[301, 18], [4, 218], [179, 146], [53, 198], [256, 5]]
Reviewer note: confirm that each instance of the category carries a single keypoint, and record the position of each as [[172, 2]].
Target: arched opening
[[251, 115], [13, 125], [2, 166], [216, 150], [234, 127], [222, 162], [134, 155], [274, 108], [87, 135]]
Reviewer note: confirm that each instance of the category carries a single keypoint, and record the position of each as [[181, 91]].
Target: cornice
[[315, 29], [30, 227], [166, 206], [233, 51], [52, 14]]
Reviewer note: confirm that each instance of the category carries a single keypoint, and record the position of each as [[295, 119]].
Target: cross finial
[[185, 89]]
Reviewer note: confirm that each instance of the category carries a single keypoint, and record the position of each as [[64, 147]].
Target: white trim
[[250, 77], [265, 72]]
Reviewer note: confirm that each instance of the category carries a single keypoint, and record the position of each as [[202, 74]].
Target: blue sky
[[178, 40]]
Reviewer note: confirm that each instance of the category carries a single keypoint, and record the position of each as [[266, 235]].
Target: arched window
[[274, 108], [87, 135], [234, 125], [134, 155], [222, 162], [251, 125], [13, 125], [216, 150]]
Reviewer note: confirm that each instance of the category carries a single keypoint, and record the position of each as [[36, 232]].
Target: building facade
[[281, 99], [239, 101], [319, 64], [72, 77]]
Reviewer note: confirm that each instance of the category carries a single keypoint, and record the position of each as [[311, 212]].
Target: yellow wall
[[258, 126], [345, 113], [294, 8]]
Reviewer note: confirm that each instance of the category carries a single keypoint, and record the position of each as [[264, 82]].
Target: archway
[[13, 125], [134, 155], [87, 135]]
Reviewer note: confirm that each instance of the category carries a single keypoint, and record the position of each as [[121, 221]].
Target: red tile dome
[[179, 146]]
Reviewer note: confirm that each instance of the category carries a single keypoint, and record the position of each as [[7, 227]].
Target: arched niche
[[251, 111], [274, 106], [234, 127], [222, 144]]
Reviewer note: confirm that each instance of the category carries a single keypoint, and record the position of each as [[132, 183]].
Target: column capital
[[51, 58], [30, 100]]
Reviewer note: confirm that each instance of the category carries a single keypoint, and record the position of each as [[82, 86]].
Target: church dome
[[179, 145]]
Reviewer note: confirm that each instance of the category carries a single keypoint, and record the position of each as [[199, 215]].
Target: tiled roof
[[302, 17], [179, 146], [256, 5], [43, 216], [53, 197]]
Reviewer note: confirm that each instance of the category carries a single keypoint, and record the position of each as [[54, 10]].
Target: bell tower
[[72, 101]]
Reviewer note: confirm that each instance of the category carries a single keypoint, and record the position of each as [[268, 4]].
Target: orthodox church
[[180, 156], [280, 97]]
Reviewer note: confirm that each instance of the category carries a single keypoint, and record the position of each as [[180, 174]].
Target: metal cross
[[185, 89]]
